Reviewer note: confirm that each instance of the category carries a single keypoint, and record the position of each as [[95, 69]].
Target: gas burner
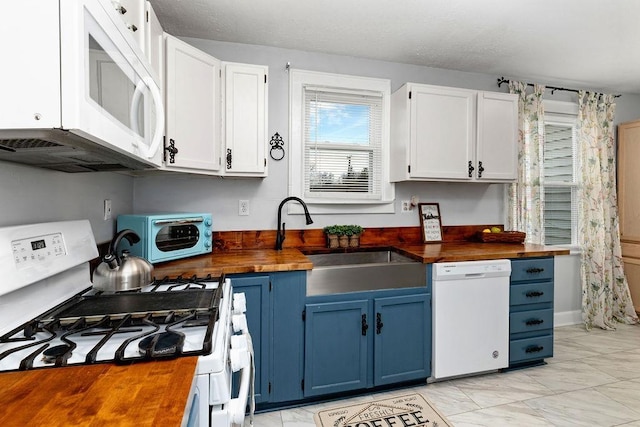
[[51, 354], [163, 344]]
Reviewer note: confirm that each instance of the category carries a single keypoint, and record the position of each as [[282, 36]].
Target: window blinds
[[342, 143], [560, 186]]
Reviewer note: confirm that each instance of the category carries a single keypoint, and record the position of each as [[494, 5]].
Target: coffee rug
[[406, 410]]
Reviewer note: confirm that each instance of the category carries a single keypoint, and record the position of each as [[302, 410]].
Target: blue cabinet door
[[336, 337], [402, 338], [287, 335], [256, 291]]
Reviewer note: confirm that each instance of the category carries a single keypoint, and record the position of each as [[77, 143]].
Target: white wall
[[29, 195]]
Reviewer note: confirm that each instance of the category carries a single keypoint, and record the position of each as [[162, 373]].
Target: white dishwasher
[[470, 317]]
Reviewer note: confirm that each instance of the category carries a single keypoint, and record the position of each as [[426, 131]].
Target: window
[[340, 142], [561, 181]]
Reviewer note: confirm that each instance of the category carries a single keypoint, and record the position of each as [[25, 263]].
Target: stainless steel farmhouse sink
[[335, 273]]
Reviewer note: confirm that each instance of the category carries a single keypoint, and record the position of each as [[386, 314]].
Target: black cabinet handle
[[534, 349], [480, 169], [229, 158], [535, 270], [471, 169], [534, 322], [379, 323], [172, 151], [533, 294], [364, 325]]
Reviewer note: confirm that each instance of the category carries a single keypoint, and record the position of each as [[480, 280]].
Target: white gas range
[[50, 317]]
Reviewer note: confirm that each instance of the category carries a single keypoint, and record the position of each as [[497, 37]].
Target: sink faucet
[[280, 233]]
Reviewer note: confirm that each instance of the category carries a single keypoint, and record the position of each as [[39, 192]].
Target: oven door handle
[[179, 221], [238, 405]]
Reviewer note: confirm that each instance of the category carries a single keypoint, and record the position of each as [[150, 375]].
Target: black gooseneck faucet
[[280, 232]]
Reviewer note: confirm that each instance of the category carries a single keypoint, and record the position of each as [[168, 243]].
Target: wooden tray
[[502, 237]]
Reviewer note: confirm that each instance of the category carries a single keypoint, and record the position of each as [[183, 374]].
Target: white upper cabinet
[[443, 133], [497, 143], [146, 29], [245, 119], [216, 114], [192, 92]]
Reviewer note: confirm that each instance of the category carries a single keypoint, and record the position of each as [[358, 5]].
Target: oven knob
[[207, 243], [207, 233], [207, 222], [239, 353], [239, 303], [239, 322]]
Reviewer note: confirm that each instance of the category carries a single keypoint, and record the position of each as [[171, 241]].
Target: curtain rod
[[502, 80]]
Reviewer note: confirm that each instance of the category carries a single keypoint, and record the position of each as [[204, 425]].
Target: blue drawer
[[531, 293], [533, 320], [532, 269], [530, 349]]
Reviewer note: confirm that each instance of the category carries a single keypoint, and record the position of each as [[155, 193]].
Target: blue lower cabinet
[[275, 302], [336, 336], [401, 341], [531, 311], [256, 291], [366, 339]]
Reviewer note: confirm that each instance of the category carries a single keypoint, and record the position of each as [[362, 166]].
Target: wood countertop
[[270, 260], [471, 251], [235, 261], [142, 394]]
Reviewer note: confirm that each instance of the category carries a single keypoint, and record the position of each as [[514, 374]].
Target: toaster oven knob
[[207, 222], [207, 244], [207, 233], [239, 303], [239, 322]]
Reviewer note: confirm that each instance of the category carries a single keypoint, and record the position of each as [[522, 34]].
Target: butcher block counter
[[291, 259], [472, 251], [141, 394]]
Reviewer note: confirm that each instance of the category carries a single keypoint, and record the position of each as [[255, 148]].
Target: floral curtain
[[605, 292], [525, 210]]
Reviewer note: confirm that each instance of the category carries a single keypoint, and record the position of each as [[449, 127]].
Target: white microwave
[[78, 94]]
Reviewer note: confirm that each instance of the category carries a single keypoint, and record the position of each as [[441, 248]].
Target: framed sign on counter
[[430, 222]]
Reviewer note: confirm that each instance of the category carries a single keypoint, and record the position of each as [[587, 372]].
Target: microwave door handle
[[147, 81], [135, 101]]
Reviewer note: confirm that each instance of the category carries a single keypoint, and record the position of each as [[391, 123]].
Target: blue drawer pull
[[534, 322], [532, 294], [535, 270], [534, 349]]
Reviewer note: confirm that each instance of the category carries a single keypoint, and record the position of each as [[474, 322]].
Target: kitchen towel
[[404, 410]]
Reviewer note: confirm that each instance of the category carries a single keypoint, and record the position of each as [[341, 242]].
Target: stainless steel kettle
[[125, 273]]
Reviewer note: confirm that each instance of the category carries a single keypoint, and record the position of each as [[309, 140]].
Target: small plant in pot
[[354, 232], [333, 232]]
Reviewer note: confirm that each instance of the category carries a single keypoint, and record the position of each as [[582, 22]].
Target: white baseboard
[[566, 318]]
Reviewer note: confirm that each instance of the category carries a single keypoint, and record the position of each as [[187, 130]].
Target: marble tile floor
[[593, 380]]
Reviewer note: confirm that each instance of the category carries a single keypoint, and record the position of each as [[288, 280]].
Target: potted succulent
[[333, 232], [343, 236], [354, 232]]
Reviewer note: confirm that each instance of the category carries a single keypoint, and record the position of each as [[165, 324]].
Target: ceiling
[[590, 44]]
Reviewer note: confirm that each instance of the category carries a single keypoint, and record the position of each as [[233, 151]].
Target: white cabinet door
[[192, 107], [442, 132], [497, 141], [245, 119], [154, 42], [132, 13]]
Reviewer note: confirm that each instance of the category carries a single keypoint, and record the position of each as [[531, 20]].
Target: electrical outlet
[[107, 209], [406, 206], [243, 207]]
